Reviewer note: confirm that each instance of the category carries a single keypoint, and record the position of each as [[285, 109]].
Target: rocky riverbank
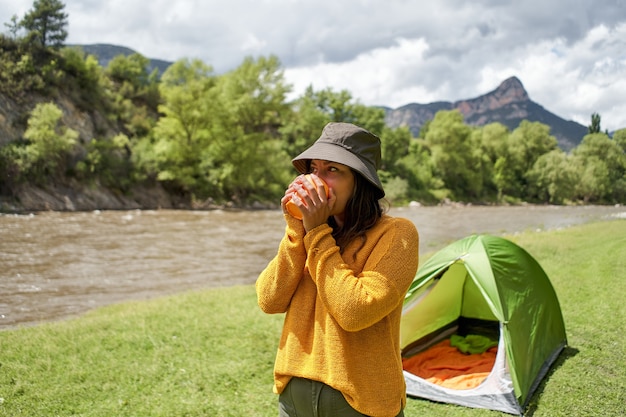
[[78, 197], [81, 198]]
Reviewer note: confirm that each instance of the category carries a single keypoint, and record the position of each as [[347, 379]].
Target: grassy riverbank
[[211, 353]]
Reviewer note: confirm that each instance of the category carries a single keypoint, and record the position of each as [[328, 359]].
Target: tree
[[594, 183], [304, 123], [314, 109], [184, 131], [49, 142], [46, 23], [448, 138], [107, 162], [416, 168], [489, 143], [531, 140], [620, 138], [492, 139], [394, 146], [553, 178], [250, 109], [132, 73], [135, 93], [504, 178], [525, 145], [14, 26], [594, 127], [83, 74], [602, 156]]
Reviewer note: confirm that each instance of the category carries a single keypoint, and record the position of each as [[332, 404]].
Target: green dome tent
[[485, 285]]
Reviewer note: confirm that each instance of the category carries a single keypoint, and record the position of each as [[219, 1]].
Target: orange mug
[[293, 209]]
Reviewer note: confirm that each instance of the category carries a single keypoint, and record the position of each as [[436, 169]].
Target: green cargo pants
[[307, 398]]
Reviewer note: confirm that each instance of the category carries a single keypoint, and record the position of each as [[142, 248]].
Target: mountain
[[508, 104], [105, 53]]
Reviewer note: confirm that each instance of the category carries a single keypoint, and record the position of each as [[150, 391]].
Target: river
[[55, 265]]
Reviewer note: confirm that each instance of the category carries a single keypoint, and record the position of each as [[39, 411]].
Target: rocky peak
[[509, 91]]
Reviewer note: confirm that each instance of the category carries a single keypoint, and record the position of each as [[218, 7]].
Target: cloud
[[382, 76], [570, 56]]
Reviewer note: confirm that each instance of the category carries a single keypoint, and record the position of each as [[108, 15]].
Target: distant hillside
[[105, 53], [508, 104]]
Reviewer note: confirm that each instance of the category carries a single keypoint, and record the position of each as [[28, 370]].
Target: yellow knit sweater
[[343, 312]]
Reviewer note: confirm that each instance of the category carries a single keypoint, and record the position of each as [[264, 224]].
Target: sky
[[570, 55]]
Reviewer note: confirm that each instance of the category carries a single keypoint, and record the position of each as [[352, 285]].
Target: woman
[[340, 275]]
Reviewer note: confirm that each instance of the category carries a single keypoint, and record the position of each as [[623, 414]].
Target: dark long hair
[[362, 212]]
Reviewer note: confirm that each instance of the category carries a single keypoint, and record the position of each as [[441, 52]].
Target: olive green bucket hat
[[349, 145]]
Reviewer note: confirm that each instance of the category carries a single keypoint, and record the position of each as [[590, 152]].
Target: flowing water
[[56, 265]]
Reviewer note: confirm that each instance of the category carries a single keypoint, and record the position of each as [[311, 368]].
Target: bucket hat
[[349, 145]]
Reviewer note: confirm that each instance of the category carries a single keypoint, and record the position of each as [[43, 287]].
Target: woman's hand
[[310, 197]]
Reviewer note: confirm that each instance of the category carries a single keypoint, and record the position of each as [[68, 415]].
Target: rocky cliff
[[69, 194], [508, 104]]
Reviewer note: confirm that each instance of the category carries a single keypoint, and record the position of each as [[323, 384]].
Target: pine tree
[[46, 23], [594, 127], [13, 26]]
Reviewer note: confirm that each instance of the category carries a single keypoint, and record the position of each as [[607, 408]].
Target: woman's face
[[339, 178]]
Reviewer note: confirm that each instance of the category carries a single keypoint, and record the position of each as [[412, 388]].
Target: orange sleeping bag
[[445, 365]]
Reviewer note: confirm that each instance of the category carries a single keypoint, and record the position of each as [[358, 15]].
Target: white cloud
[[378, 75], [570, 56], [253, 44], [585, 77]]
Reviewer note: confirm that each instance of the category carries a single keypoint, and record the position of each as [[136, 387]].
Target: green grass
[[211, 353]]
